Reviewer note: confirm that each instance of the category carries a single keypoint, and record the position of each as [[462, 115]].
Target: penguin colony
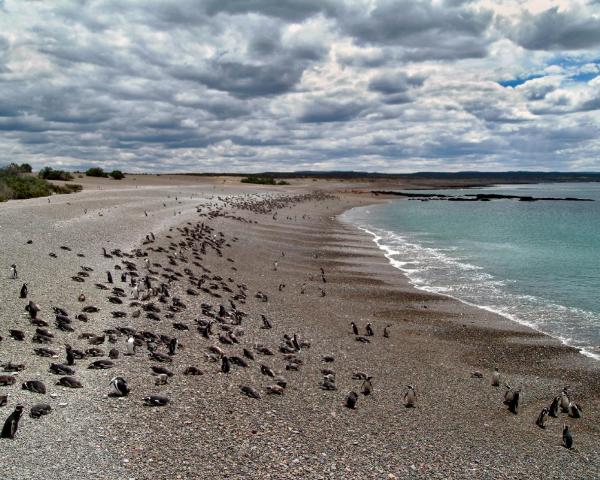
[[154, 291]]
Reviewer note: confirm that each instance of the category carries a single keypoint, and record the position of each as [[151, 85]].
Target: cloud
[[207, 85], [554, 29]]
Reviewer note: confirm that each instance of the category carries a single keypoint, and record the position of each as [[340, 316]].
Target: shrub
[[117, 174], [48, 173], [28, 187], [96, 172], [25, 168]]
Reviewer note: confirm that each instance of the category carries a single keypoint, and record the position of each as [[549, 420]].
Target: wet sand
[[459, 428]]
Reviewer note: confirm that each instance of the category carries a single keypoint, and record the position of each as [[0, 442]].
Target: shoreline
[[435, 343], [426, 288]]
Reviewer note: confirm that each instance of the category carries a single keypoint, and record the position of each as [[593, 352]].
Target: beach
[[273, 241]]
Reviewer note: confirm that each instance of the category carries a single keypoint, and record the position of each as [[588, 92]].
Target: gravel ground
[[459, 428]]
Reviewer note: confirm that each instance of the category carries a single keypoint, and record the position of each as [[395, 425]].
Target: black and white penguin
[[369, 330], [266, 322], [351, 400], [386, 332], [109, 278], [495, 378], [173, 343], [156, 401], [564, 400], [23, 293], [12, 423], [40, 409], [225, 365], [70, 356], [542, 418], [130, 346], [511, 399], [119, 387], [34, 386], [410, 397], [367, 387], [13, 271], [575, 410], [354, 328], [553, 410], [567, 437]]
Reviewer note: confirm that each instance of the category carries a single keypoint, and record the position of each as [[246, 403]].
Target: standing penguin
[[386, 332], [70, 356], [173, 343], [575, 410], [131, 346], [225, 364], [410, 397], [354, 328], [13, 271], [367, 387], [109, 278], [12, 423], [369, 329], [567, 437], [119, 387], [542, 418], [553, 410], [351, 400], [23, 293], [495, 378], [564, 400], [511, 399]]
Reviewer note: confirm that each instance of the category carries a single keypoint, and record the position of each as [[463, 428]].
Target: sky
[[288, 85]]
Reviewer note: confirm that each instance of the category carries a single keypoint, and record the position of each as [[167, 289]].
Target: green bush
[[96, 172], [25, 168], [117, 174], [263, 181], [27, 187], [48, 173]]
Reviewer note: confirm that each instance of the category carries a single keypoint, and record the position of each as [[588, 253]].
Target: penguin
[[567, 437], [369, 329], [119, 387], [542, 418], [250, 392], [225, 365], [513, 403], [12, 423], [354, 328], [13, 271], [564, 400], [495, 378], [34, 386], [69, 382], [161, 379], [575, 410], [351, 400], [40, 409], [109, 277], [265, 370], [70, 356], [266, 323], [553, 410], [410, 397], [156, 401], [130, 346], [23, 293], [386, 332], [367, 387], [173, 343]]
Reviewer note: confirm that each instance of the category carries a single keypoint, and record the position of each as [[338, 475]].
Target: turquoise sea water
[[536, 263]]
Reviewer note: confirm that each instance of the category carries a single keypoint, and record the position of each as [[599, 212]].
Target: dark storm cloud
[[558, 30], [194, 85], [428, 28]]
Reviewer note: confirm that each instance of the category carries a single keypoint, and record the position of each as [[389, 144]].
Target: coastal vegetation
[[16, 182], [96, 172], [117, 174], [264, 180], [49, 173]]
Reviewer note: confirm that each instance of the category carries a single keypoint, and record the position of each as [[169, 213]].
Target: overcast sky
[[255, 85]]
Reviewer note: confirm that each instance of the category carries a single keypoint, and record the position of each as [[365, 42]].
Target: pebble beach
[[282, 253]]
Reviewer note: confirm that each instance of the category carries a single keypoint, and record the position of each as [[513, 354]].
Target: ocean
[[537, 263]]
